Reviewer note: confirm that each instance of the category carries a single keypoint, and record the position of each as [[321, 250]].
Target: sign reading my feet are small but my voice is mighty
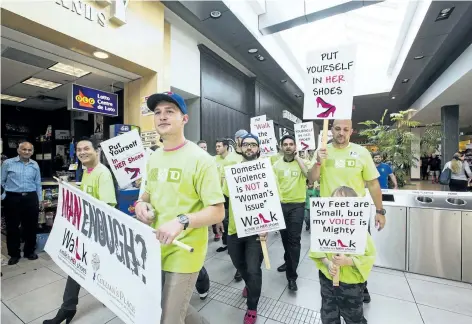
[[339, 224], [254, 198], [329, 83]]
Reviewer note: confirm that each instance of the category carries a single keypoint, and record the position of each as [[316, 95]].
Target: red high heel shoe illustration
[[341, 244], [77, 256], [324, 104], [326, 113], [265, 221]]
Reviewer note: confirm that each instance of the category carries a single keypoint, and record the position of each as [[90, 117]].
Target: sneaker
[[203, 296], [217, 237], [13, 260], [250, 317], [237, 276], [32, 257], [245, 292], [366, 296], [222, 248]]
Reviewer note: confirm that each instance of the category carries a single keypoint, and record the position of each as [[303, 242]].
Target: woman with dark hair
[[460, 171]]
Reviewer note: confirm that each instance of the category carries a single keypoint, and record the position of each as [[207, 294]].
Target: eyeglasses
[[251, 145]]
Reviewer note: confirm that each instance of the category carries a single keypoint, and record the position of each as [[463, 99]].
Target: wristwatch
[[381, 211], [183, 219]]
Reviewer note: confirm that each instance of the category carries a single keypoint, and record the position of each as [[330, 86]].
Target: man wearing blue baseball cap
[[183, 189]]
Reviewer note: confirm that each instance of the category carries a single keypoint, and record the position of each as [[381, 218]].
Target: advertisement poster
[[329, 83], [111, 255], [125, 154], [149, 138], [305, 136], [265, 132], [145, 111], [254, 197], [93, 101], [339, 224]]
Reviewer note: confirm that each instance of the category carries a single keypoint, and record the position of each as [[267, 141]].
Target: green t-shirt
[[275, 158], [99, 184], [231, 158], [350, 166], [181, 182], [310, 193], [292, 182]]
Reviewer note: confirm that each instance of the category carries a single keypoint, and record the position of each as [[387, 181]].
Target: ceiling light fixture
[[42, 83], [444, 13], [405, 80], [215, 14], [252, 50], [393, 97], [12, 98], [283, 81], [68, 69], [100, 55], [419, 57], [260, 57]]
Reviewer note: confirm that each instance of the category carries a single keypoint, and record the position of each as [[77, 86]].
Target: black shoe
[[222, 248], [13, 260], [366, 296], [282, 268], [292, 285], [62, 315], [32, 257], [307, 227], [237, 276]]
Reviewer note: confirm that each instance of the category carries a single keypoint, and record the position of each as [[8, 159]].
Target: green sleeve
[[364, 263], [106, 189], [208, 183], [369, 172], [147, 188], [225, 188]]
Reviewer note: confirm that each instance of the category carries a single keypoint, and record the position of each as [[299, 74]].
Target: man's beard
[[249, 158]]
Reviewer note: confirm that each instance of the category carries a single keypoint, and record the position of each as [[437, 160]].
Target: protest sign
[[265, 132], [329, 137], [305, 136], [254, 197], [114, 257], [258, 119], [329, 83], [125, 154], [339, 224]]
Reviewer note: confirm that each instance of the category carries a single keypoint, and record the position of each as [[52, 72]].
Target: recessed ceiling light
[[12, 98], [419, 57], [283, 81], [444, 13], [260, 57], [393, 97], [68, 69], [42, 83], [405, 80], [100, 55], [252, 50], [215, 14]]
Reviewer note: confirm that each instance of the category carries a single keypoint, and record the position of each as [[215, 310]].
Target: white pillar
[[416, 152]]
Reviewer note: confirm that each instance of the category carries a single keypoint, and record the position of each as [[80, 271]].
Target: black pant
[[21, 210], [424, 173], [70, 299], [246, 254], [291, 237], [224, 238], [458, 185], [203, 281]]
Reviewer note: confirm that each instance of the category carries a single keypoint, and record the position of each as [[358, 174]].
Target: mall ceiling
[[440, 42], [18, 67]]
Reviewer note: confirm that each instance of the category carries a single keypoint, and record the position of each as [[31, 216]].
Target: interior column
[[450, 132]]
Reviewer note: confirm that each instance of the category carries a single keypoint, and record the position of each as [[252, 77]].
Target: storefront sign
[[254, 198], [265, 132], [93, 101], [329, 83], [81, 8], [288, 115], [125, 154], [111, 255], [305, 136], [339, 224], [62, 134]]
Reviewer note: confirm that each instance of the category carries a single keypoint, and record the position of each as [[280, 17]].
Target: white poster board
[[329, 83], [258, 119], [254, 197], [125, 154], [114, 257], [330, 137], [305, 136], [339, 224], [265, 132]]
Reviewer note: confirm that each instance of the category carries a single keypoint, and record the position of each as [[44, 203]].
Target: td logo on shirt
[[348, 163], [169, 175]]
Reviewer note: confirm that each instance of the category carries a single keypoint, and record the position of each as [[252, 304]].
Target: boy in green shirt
[[183, 188], [347, 300], [97, 181], [310, 192]]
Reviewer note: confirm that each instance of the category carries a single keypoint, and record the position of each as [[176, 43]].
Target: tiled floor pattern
[[32, 292]]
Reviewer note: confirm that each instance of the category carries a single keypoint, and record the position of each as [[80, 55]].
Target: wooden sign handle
[[265, 253], [324, 138]]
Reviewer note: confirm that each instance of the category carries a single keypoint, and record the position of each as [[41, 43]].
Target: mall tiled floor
[[32, 292]]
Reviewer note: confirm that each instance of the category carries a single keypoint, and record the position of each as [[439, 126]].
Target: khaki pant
[[177, 289]]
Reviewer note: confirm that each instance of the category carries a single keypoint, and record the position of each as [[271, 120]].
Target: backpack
[[445, 177]]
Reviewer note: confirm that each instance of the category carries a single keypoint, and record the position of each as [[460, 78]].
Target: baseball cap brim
[[156, 98]]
